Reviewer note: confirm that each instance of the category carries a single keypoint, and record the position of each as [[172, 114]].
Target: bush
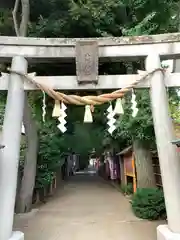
[[127, 189], [148, 203]]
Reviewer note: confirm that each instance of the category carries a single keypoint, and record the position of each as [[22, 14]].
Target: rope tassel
[[57, 109], [118, 107], [88, 115]]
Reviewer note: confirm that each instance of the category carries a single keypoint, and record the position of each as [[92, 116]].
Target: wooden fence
[[41, 195]]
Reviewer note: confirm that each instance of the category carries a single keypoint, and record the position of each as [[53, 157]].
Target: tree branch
[[14, 14], [22, 29], [25, 18]]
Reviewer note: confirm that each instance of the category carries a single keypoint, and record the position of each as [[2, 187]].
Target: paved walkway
[[87, 208]]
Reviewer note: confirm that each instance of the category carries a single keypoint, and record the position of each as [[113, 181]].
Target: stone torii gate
[[87, 52]]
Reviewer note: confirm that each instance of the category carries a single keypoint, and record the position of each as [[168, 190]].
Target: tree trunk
[[144, 167], [24, 202]]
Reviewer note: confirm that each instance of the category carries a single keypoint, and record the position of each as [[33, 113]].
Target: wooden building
[[127, 167], [127, 164]]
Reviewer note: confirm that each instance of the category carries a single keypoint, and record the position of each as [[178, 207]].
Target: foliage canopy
[[95, 18]]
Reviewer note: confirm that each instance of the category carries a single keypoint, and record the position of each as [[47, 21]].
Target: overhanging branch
[[14, 14], [25, 17]]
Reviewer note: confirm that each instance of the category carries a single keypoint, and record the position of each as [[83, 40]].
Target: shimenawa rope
[[85, 100]]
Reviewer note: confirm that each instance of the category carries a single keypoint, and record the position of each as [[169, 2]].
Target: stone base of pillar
[[17, 236], [163, 233]]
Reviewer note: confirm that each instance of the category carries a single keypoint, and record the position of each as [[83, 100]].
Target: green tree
[[147, 17], [96, 18]]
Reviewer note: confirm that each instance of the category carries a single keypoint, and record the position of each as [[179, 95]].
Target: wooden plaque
[[87, 62]]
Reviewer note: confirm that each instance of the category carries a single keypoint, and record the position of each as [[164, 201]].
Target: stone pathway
[[87, 208]]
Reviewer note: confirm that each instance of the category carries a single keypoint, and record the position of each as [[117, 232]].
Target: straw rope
[[84, 100]]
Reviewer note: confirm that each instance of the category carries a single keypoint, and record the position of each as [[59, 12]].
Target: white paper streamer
[[111, 119], [61, 119], [44, 107], [134, 104]]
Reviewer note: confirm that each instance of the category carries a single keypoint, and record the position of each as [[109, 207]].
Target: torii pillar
[[168, 157], [9, 155]]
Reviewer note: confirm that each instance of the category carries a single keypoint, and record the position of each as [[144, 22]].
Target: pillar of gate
[[9, 155], [168, 156]]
